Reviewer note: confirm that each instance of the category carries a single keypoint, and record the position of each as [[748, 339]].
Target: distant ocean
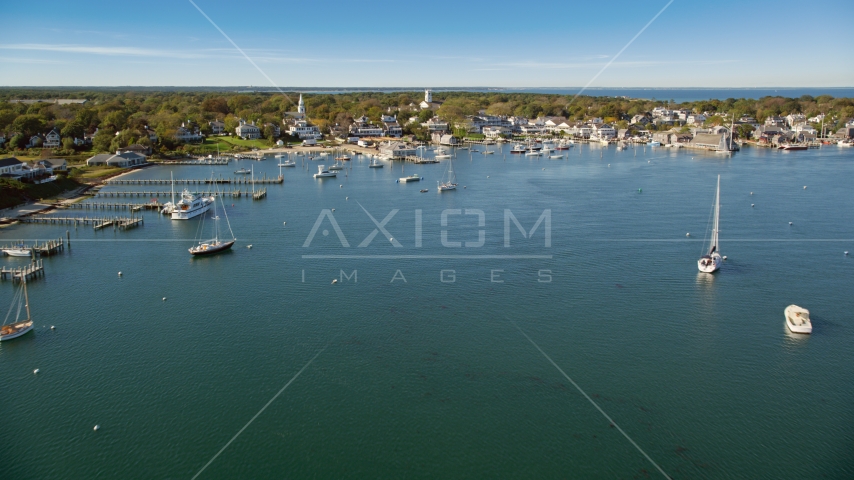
[[675, 94]]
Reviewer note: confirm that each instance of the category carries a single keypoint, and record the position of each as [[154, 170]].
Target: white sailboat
[[449, 179], [711, 261], [13, 330], [214, 245]]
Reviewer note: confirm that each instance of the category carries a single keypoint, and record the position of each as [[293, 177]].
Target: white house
[[187, 132], [11, 167], [435, 124], [52, 139], [217, 127], [362, 128], [496, 131], [127, 159], [603, 131], [301, 129], [247, 131], [397, 149], [695, 119]]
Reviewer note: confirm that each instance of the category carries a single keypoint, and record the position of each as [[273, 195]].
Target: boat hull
[[188, 214], [709, 264], [18, 252], [15, 330], [798, 323], [211, 249]]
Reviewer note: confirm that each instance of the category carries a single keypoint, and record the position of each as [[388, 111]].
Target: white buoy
[[164, 299], [790, 223], [36, 371], [488, 175], [724, 257], [334, 281], [846, 252], [52, 327], [284, 223], [752, 204], [97, 427], [805, 187], [688, 234], [333, 209], [120, 274], [248, 246], [346, 198], [340, 186], [751, 193]]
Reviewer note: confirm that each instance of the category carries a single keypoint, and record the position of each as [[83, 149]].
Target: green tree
[[101, 141], [28, 124]]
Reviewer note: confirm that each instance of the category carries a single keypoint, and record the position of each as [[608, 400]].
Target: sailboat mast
[[717, 215], [173, 188], [26, 297]]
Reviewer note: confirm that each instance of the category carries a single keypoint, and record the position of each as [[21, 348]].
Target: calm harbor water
[[421, 377]]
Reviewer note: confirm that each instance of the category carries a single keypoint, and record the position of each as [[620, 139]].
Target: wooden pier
[[418, 160], [166, 193], [46, 247], [17, 273], [259, 194], [201, 181], [134, 207], [98, 223], [205, 162]]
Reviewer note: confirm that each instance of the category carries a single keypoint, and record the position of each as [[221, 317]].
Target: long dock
[[205, 162], [186, 181], [135, 207], [98, 223], [26, 272], [166, 193]]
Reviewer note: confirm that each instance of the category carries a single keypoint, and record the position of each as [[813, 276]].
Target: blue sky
[[438, 44]]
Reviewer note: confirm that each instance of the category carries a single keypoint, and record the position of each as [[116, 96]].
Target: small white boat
[[375, 164], [653, 144], [441, 154], [845, 143], [336, 167], [712, 261], [322, 172], [555, 157], [18, 251], [243, 171], [14, 330], [191, 205], [533, 153], [798, 319], [518, 148], [287, 163]]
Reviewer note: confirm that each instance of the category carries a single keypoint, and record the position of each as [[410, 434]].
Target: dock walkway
[[26, 272]]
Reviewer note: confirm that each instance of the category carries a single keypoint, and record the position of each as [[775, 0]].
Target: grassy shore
[[15, 192]]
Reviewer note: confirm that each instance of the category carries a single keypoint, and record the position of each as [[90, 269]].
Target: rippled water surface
[[420, 377]]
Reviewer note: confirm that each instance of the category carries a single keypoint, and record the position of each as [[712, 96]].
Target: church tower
[[428, 96], [301, 105]]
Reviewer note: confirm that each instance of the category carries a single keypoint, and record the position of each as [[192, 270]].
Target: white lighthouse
[[301, 106]]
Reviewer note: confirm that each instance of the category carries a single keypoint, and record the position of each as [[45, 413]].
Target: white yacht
[[711, 261], [191, 205], [798, 319], [518, 148], [323, 172]]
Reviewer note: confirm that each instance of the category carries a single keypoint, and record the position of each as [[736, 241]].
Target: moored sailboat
[[711, 261], [13, 330], [215, 245], [449, 179]]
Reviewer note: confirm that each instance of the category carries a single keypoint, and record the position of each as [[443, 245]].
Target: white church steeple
[[428, 96], [301, 105]]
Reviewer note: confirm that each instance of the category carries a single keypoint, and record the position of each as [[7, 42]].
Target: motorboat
[[243, 171], [792, 146], [18, 250], [653, 144], [411, 178], [322, 172], [711, 261], [798, 319], [375, 164], [191, 205], [518, 148], [336, 167], [441, 154]]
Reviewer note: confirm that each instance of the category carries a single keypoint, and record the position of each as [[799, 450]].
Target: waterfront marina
[[433, 353]]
